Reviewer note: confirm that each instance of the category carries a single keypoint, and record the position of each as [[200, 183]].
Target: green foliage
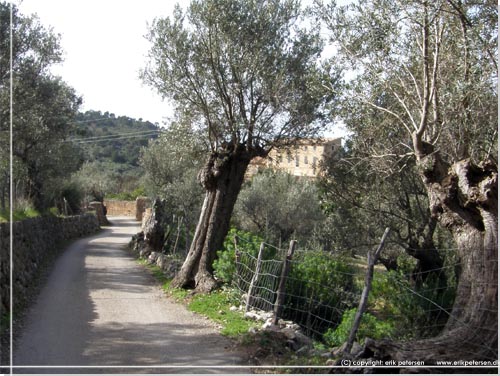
[[171, 163], [238, 86], [321, 284], [224, 266], [322, 273], [111, 147], [415, 314], [23, 209], [112, 139], [128, 196], [68, 198], [44, 108], [383, 102], [98, 180], [370, 327], [396, 312], [278, 206], [53, 211]]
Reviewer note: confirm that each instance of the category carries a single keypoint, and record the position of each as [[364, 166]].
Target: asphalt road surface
[[99, 308]]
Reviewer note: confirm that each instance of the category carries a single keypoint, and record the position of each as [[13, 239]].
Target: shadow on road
[[100, 309]]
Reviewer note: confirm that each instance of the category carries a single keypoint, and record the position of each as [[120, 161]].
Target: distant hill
[[104, 137]]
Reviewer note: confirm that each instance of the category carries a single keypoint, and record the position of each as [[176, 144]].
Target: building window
[[315, 161], [297, 162], [305, 160], [289, 157]]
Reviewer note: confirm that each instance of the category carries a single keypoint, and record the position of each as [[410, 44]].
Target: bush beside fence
[[323, 291]]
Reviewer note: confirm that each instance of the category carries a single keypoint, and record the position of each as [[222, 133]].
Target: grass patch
[[216, 306], [18, 215], [155, 271], [180, 295]]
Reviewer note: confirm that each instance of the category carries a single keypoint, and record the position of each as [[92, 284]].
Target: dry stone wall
[[36, 241], [120, 208], [127, 208]]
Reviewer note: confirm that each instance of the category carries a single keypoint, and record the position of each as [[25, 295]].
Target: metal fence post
[[280, 298]]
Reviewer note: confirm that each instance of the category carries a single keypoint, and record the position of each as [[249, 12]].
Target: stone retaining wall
[[127, 208], [120, 208], [35, 241]]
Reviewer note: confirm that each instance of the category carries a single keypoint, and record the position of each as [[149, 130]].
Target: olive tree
[[43, 105], [430, 67], [171, 163], [245, 74], [277, 206]]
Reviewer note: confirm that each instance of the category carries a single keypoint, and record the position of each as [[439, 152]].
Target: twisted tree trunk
[[463, 197], [222, 177]]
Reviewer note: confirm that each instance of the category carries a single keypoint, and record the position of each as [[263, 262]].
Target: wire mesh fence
[[318, 288], [412, 309], [258, 279], [322, 293]]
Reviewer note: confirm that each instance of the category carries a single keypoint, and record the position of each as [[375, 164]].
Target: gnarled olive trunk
[[463, 197], [222, 177]]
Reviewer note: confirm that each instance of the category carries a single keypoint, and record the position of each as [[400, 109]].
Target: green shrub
[[54, 211], [414, 310], [23, 210], [73, 195], [370, 327], [320, 285], [225, 264], [127, 196]]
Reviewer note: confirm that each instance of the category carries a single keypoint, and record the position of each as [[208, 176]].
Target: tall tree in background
[[369, 194], [279, 207], [43, 104], [171, 163], [244, 73], [431, 68]]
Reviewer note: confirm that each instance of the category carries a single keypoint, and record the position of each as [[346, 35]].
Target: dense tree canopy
[[245, 74], [279, 207], [43, 106], [242, 70], [171, 163], [422, 92], [105, 137], [419, 66]]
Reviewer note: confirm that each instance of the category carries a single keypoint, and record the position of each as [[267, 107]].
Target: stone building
[[303, 159]]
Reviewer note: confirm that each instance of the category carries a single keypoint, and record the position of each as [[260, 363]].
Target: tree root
[[205, 283], [451, 346]]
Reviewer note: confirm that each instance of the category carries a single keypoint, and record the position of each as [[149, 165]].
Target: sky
[[105, 48]]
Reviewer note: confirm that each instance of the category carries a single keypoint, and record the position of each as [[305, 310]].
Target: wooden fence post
[[237, 253], [372, 259], [237, 261], [179, 223], [280, 298], [254, 277]]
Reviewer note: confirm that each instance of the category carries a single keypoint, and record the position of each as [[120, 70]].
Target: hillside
[[104, 137]]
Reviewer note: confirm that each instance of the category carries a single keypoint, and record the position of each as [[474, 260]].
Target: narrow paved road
[[100, 308]]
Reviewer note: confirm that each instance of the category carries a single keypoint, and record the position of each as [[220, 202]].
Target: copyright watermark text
[[416, 363]]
